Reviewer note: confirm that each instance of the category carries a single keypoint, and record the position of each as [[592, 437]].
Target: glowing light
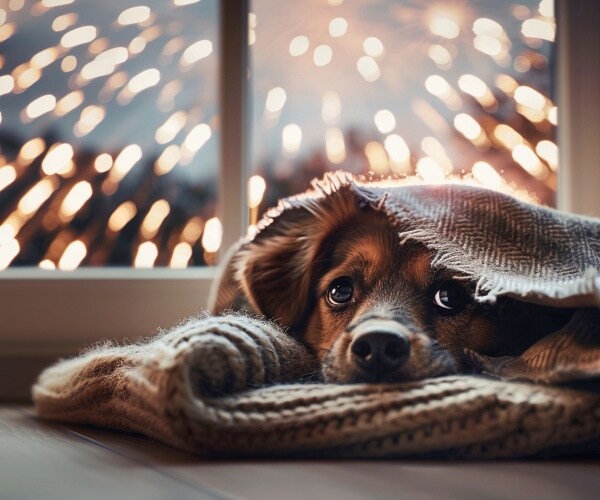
[[33, 199], [78, 36], [68, 64], [121, 216], [553, 115], [291, 139], [467, 126], [487, 175], [167, 95], [7, 84], [444, 27], [144, 80], [170, 128], [58, 160], [548, 151], [193, 230], [56, 3], [438, 86], [397, 150], [440, 56], [31, 150], [525, 157], [40, 106], [474, 86], [137, 45], [430, 171], [385, 121], [89, 119], [105, 63], [546, 8], [182, 253], [146, 255], [487, 27], [539, 28], [335, 147], [63, 22], [103, 163], [197, 137], [533, 115], [488, 45], [213, 235], [72, 256], [196, 51], [134, 15], [8, 174], [45, 57], [27, 78], [377, 157], [322, 55], [154, 218], [47, 265], [373, 47], [79, 194], [338, 27], [331, 107], [9, 249], [256, 190], [275, 100], [368, 68], [69, 102], [508, 136], [506, 84], [529, 97], [299, 45], [167, 160], [6, 31], [125, 161]]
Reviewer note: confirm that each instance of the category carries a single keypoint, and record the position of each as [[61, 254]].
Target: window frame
[[46, 314]]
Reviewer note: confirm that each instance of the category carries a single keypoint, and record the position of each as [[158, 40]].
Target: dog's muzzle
[[379, 347]]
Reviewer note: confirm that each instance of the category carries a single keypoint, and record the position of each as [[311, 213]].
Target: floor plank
[[82, 462]]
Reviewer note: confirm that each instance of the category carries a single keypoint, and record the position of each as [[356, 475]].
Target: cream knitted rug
[[237, 385], [219, 386]]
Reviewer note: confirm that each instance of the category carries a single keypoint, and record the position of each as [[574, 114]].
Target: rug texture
[[235, 384]]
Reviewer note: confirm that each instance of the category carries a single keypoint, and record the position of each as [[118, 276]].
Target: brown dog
[[374, 310]]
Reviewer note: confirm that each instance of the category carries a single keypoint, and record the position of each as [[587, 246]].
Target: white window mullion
[[234, 120]]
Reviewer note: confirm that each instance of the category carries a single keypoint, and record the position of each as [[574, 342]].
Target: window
[[109, 134], [302, 125], [426, 88]]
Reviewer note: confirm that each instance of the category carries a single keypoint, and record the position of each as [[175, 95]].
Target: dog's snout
[[380, 351]]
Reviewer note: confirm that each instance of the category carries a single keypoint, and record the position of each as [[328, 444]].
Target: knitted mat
[[219, 386], [236, 385]]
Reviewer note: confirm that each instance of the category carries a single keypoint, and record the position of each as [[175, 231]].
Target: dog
[[370, 308]]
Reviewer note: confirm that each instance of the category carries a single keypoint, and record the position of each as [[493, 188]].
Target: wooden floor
[[52, 461]]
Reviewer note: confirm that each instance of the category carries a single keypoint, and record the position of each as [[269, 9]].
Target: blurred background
[[109, 115]]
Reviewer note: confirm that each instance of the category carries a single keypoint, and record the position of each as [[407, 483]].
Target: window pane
[[407, 87], [108, 133]]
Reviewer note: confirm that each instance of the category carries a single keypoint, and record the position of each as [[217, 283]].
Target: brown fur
[[286, 276]]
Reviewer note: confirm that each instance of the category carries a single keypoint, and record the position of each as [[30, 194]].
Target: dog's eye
[[449, 298], [340, 291]]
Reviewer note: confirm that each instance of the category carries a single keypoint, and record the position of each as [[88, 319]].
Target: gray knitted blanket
[[235, 384]]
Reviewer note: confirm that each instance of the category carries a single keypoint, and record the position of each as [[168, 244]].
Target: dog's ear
[[276, 271]]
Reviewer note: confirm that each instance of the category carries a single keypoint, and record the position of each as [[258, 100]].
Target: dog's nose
[[380, 352]]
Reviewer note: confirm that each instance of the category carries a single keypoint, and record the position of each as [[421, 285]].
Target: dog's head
[[333, 271]]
